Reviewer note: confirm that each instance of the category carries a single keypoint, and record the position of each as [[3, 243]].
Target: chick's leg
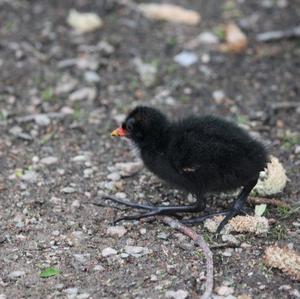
[[236, 209], [238, 204]]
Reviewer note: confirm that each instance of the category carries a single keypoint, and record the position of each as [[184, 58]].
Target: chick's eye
[[129, 125]]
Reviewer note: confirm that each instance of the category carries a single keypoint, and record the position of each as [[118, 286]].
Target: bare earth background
[[52, 166]]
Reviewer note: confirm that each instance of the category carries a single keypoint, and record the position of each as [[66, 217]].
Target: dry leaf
[[272, 180], [284, 259], [84, 22], [170, 13], [252, 224], [236, 40]]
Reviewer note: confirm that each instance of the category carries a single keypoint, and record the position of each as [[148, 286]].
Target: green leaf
[[19, 172], [48, 272], [260, 209]]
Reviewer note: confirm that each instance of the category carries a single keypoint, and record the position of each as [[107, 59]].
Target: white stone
[[67, 110], [98, 268], [119, 231], [91, 77], [179, 294], [297, 149], [224, 290], [75, 204], [15, 130], [208, 38], [16, 274], [68, 190], [86, 93], [49, 160], [121, 195], [108, 252], [79, 158], [42, 120], [186, 58], [115, 176], [227, 252], [218, 95], [88, 172], [72, 291], [136, 250], [30, 176]]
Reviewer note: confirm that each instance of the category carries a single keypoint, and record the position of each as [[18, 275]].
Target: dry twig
[[270, 201], [278, 35], [198, 239], [285, 105]]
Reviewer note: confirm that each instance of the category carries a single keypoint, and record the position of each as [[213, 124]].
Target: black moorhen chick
[[196, 154]]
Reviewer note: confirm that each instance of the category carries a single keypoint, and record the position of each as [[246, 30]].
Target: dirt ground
[[52, 166]]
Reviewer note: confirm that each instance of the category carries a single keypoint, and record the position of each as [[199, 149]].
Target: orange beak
[[120, 132]]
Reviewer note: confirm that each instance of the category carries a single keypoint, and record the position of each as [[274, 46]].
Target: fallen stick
[[278, 35], [224, 245], [198, 239], [285, 105], [270, 201]]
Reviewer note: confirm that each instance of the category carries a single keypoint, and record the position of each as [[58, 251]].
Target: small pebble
[[30, 176], [218, 96], [42, 120], [49, 160], [179, 294], [143, 231], [118, 231], [285, 287], [68, 190], [227, 252], [136, 250], [79, 158], [297, 149], [208, 38], [115, 176], [61, 171], [55, 233], [16, 274], [88, 172], [121, 195], [98, 268], [91, 77], [71, 291], [186, 58], [224, 290], [75, 204], [163, 236], [108, 252], [85, 93]]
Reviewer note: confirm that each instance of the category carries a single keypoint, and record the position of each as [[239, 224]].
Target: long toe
[[128, 204], [198, 220], [138, 216]]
